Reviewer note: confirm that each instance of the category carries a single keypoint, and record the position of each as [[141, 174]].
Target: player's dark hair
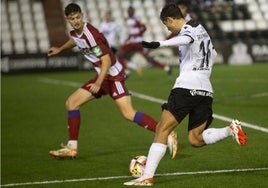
[[71, 8], [171, 10]]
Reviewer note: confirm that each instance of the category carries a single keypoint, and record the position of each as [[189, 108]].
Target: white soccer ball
[[137, 166]]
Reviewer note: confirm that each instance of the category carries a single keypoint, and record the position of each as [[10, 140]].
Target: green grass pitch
[[33, 121]]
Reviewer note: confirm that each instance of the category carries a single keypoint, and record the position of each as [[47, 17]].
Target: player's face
[[76, 20], [108, 16], [171, 25], [130, 12]]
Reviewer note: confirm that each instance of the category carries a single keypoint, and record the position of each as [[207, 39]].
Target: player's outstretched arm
[[175, 41]]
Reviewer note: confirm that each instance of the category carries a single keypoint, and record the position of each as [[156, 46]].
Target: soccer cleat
[[140, 182], [64, 152], [237, 132], [173, 144]]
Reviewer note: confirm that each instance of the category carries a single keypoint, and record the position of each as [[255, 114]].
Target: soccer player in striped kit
[[108, 81], [132, 43], [192, 93]]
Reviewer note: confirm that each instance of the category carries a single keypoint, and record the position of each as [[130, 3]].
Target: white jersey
[[111, 32], [196, 57]]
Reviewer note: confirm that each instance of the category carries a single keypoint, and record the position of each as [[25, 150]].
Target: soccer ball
[[137, 165]]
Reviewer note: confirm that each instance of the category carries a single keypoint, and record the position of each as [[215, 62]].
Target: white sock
[[72, 144], [156, 153], [213, 135]]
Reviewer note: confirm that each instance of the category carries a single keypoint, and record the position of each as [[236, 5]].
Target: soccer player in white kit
[[111, 30], [192, 93]]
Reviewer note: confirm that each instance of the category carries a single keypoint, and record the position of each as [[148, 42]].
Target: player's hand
[[151, 45], [53, 51], [94, 87]]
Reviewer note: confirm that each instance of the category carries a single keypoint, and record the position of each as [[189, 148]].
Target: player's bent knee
[[67, 105], [195, 142], [70, 105], [195, 138]]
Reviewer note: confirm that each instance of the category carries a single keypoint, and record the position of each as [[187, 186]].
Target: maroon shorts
[[115, 88]]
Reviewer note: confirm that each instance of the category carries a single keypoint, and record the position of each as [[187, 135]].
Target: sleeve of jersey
[[98, 42], [105, 49], [176, 41]]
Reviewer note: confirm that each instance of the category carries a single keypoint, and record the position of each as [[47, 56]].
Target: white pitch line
[[124, 177], [160, 101], [259, 95], [244, 124]]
